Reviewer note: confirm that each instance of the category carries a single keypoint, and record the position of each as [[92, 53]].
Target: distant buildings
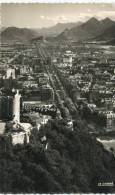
[[65, 60], [25, 69], [47, 93], [36, 95], [9, 79], [10, 73]]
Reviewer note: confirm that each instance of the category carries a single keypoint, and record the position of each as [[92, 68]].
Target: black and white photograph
[[57, 98]]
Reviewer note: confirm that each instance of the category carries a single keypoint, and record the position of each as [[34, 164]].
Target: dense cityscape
[[58, 84], [57, 114]]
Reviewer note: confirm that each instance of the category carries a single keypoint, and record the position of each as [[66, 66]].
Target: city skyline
[[46, 15]]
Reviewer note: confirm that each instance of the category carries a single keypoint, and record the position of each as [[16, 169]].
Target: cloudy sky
[[45, 15]]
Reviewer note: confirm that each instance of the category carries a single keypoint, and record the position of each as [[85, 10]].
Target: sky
[[45, 15]]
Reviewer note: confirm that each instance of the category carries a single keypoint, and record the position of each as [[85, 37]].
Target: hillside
[[108, 34], [12, 34], [74, 162]]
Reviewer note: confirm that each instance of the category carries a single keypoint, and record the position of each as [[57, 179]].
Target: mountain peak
[[93, 19], [107, 22], [107, 19]]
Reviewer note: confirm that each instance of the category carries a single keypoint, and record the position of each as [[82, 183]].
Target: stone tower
[[16, 107]]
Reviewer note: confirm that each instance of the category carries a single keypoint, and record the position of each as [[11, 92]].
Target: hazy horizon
[[46, 15]]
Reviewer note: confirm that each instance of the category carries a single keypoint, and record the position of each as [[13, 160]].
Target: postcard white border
[[58, 1]]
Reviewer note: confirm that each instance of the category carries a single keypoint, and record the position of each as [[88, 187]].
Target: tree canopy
[[73, 162]]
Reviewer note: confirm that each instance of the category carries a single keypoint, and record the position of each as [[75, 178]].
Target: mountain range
[[56, 29], [22, 34], [92, 29]]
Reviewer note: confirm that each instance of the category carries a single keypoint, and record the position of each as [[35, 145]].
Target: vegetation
[[73, 162]]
